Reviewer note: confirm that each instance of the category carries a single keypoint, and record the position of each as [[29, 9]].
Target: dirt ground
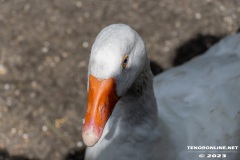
[[44, 51]]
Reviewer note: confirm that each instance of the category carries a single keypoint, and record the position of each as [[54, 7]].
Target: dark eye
[[125, 61]]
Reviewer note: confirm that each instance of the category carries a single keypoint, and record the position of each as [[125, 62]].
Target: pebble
[[5, 109], [135, 6], [80, 19], [45, 50], [56, 58], [82, 64], [222, 8], [44, 128], [3, 70], [40, 68], [79, 143], [6, 86], [25, 136], [34, 84], [85, 44], [228, 20], [177, 24], [64, 54], [166, 49], [83, 121], [27, 7], [17, 92], [9, 102], [198, 16], [168, 43], [32, 95], [79, 4], [13, 130]]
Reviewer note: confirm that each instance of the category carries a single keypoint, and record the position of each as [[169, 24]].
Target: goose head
[[117, 58]]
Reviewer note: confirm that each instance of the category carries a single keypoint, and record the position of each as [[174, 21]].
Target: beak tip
[[102, 98], [90, 138]]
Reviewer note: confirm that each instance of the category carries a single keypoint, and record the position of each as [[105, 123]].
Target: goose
[[177, 115]]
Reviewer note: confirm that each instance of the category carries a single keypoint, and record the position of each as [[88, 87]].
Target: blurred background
[[44, 51]]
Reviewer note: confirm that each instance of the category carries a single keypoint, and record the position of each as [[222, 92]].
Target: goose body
[[196, 104]]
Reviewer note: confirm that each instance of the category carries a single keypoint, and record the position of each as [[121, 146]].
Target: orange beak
[[102, 98]]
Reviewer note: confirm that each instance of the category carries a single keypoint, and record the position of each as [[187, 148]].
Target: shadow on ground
[[4, 155], [194, 47], [156, 68], [76, 154], [189, 50]]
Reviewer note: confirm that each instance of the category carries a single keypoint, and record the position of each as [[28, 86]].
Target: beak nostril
[[103, 111]]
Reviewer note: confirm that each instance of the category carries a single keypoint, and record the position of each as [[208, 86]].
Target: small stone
[[64, 54], [228, 20], [3, 70], [5, 109], [234, 16], [13, 130], [198, 16], [45, 50], [6, 86], [34, 84], [135, 6], [83, 121], [27, 7], [168, 43], [82, 64], [79, 144], [25, 136], [53, 18], [166, 49], [56, 58], [85, 44], [177, 24], [20, 38], [80, 19], [79, 4], [32, 95], [9, 102], [44, 128], [222, 8], [17, 92]]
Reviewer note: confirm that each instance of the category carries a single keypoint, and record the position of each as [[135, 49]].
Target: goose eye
[[125, 61]]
